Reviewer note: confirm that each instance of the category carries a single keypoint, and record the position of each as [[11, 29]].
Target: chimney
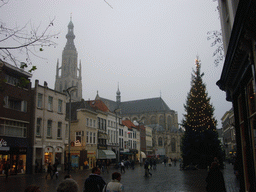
[[45, 84]]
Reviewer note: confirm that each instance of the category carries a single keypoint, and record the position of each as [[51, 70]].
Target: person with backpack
[[94, 183]]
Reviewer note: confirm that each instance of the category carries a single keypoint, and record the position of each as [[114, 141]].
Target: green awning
[[125, 153], [106, 154]]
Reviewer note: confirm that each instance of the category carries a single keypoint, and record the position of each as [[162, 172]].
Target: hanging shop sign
[[3, 145]]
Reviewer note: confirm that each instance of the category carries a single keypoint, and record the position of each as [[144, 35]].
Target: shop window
[[38, 126], [39, 100], [59, 129], [49, 128]]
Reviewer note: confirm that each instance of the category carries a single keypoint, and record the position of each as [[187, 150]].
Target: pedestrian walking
[[215, 180], [6, 169], [147, 167], [169, 162], [165, 162], [114, 185], [32, 188], [94, 183], [49, 171], [68, 185], [151, 163], [107, 165], [55, 171], [175, 161], [154, 164], [122, 166], [103, 166]]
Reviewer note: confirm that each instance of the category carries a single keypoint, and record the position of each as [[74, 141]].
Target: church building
[[68, 74]]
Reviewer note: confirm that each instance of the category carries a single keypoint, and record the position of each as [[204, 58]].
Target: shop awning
[[106, 154], [125, 153], [143, 155]]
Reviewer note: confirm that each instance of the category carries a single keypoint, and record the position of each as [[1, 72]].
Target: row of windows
[[16, 104], [50, 103], [50, 128], [91, 122], [13, 129], [102, 124], [111, 123]]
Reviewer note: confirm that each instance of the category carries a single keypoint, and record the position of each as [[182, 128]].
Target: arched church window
[[173, 145], [153, 120], [161, 121], [160, 141], [169, 122]]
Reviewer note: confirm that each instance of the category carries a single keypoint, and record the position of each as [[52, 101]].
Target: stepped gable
[[144, 105]]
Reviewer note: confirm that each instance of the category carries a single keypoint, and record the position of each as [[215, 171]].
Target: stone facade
[[50, 127]]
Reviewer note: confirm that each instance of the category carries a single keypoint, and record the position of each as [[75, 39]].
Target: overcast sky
[[148, 46]]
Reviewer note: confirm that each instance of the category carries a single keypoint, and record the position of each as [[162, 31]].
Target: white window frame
[[49, 128], [59, 129], [38, 126], [60, 105], [50, 103], [39, 100]]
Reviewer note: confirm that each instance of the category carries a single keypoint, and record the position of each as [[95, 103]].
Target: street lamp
[[68, 91], [117, 150]]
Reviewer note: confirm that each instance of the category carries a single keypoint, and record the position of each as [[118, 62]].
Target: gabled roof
[[138, 106], [98, 105], [144, 105], [128, 124]]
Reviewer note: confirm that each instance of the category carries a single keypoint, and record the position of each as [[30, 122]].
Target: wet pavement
[[163, 179]]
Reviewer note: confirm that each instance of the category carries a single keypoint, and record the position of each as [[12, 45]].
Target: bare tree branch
[[22, 38], [108, 4]]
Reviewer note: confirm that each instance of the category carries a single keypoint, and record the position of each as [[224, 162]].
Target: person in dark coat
[[49, 171], [94, 183], [215, 180]]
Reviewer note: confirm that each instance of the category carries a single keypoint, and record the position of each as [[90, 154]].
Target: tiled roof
[[128, 124], [138, 106], [144, 105], [99, 105]]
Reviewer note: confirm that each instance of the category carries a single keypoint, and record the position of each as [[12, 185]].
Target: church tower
[[68, 74]]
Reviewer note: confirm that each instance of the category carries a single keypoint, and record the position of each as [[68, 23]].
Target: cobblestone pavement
[[163, 179]]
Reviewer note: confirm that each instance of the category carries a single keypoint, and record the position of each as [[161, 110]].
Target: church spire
[[118, 95], [70, 36]]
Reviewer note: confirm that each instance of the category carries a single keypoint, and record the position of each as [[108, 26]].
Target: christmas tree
[[200, 143]]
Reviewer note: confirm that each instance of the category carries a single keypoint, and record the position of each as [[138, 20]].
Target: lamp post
[[68, 91], [117, 146]]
